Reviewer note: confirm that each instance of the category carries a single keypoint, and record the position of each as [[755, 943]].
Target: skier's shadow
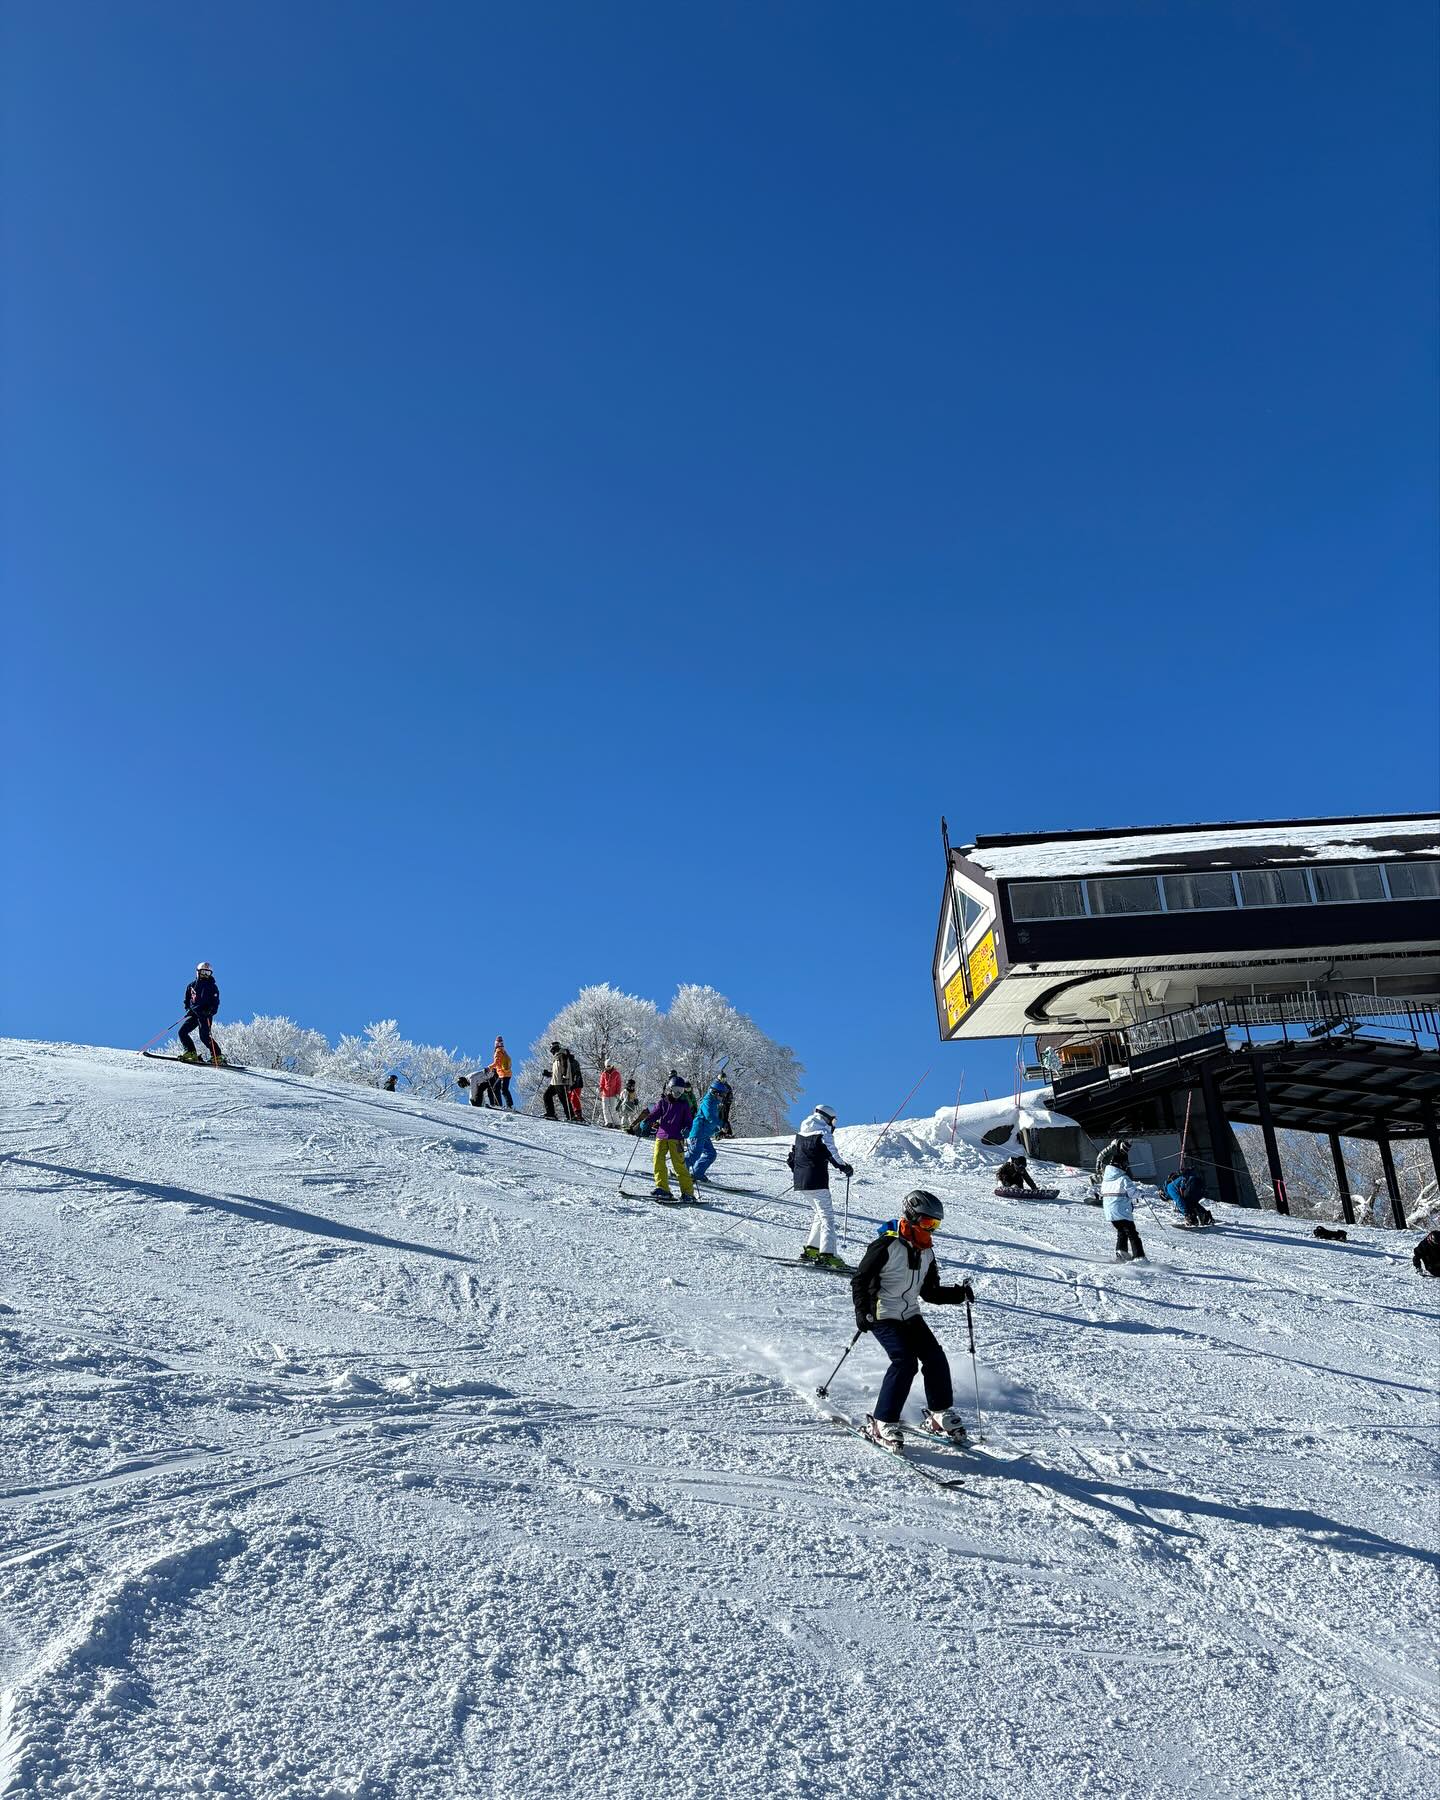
[[1103, 1493], [246, 1206]]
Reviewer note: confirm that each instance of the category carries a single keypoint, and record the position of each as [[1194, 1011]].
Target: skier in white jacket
[[1118, 1194], [811, 1158]]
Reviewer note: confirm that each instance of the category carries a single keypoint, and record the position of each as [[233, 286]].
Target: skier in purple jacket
[[671, 1115]]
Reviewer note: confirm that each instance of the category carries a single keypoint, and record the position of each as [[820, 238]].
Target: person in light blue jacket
[[1118, 1194], [700, 1151]]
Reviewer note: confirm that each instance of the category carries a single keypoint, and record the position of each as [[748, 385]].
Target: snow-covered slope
[[353, 1446]]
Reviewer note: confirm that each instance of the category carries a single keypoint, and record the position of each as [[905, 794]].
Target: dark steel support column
[[1427, 1113], [1220, 1139], [1267, 1125], [1392, 1184], [1342, 1180]]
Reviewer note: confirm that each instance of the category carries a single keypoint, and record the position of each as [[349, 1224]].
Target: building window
[[1047, 900], [1413, 881], [1361, 881], [970, 910], [1199, 893], [1125, 894], [1274, 887]]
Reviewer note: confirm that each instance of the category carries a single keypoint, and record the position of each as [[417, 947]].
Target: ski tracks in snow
[[363, 1447]]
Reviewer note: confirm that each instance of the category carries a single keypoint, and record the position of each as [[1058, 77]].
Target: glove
[[965, 1291], [847, 1170], [864, 1321]]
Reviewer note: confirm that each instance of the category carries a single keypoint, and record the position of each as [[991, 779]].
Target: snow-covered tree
[[369, 1059], [273, 1042], [701, 1034], [1310, 1173], [600, 1025], [432, 1072]]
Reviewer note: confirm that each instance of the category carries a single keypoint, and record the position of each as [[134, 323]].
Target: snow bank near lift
[[928, 1141]]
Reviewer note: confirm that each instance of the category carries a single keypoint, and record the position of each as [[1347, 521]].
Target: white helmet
[[203, 968], [826, 1112]]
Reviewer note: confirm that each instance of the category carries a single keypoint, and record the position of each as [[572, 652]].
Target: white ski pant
[[822, 1230], [605, 1109]]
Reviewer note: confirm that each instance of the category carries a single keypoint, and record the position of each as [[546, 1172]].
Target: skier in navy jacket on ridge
[[202, 1003]]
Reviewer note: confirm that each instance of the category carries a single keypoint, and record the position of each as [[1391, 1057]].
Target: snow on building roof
[[1246, 844]]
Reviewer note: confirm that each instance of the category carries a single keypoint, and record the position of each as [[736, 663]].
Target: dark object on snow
[[1334, 1237], [1427, 1254], [1030, 1193], [390, 1083]]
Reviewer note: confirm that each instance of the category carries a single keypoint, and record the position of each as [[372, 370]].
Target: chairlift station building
[[1134, 957]]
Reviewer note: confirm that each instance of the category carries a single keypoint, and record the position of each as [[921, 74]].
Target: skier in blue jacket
[[700, 1151]]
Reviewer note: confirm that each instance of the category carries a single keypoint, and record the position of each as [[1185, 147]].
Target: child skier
[[503, 1068], [671, 1116], [700, 1151], [896, 1273], [630, 1107], [812, 1156], [1118, 1194]]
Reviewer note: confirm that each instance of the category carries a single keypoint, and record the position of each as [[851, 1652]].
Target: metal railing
[[1313, 1012]]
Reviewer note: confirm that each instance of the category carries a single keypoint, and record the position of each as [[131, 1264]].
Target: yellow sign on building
[[984, 966]]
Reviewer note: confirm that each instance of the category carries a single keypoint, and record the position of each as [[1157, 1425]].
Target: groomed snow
[[359, 1447]]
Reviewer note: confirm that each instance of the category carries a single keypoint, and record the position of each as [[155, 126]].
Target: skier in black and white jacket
[[896, 1273], [812, 1156]]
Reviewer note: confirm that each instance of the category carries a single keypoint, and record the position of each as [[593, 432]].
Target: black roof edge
[[1124, 831]]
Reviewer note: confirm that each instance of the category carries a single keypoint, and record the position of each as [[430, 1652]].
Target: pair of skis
[[200, 1063], [930, 1441]]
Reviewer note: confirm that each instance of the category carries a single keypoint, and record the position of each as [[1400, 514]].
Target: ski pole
[[157, 1037], [634, 1147], [824, 1388], [974, 1368]]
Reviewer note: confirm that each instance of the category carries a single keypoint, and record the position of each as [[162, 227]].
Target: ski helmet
[[826, 1112], [203, 968], [920, 1203], [677, 1084]]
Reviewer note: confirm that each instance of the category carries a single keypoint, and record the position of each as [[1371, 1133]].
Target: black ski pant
[[1127, 1238], [909, 1343], [200, 1022], [553, 1093], [502, 1082]]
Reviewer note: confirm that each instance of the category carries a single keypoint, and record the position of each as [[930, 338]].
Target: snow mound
[[974, 1137]]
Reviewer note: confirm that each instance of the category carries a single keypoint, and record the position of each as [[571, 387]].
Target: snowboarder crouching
[[202, 1004], [1014, 1174], [671, 1116], [812, 1156], [1427, 1254], [896, 1273], [700, 1151], [1118, 1194], [1185, 1194], [484, 1087]]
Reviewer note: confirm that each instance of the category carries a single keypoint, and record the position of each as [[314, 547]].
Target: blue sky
[[503, 498]]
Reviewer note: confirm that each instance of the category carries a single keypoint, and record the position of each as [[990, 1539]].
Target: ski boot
[[810, 1254], [883, 1433], [190, 1056], [831, 1261], [947, 1425], [659, 1193]]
